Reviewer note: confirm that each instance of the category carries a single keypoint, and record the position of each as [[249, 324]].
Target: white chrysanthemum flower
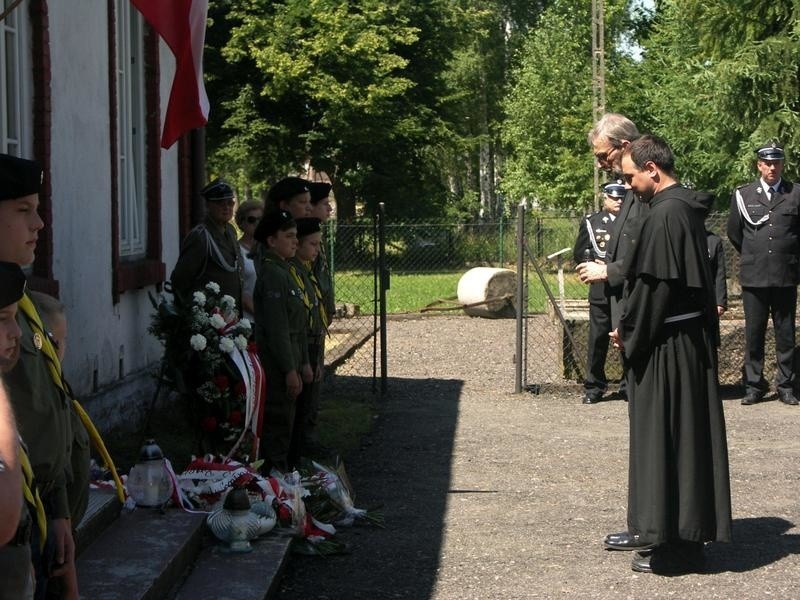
[[212, 287], [200, 318], [216, 321], [199, 298], [241, 342], [228, 302], [226, 345], [198, 342], [245, 325]]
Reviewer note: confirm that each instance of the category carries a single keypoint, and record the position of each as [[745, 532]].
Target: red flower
[[221, 382], [208, 424], [284, 514], [240, 389], [235, 418]]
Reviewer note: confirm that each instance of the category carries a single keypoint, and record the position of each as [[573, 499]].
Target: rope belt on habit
[[683, 317]]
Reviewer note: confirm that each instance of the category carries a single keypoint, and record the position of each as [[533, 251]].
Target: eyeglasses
[[603, 156], [252, 220]]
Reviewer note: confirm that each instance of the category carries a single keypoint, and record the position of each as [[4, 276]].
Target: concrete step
[[103, 509], [220, 575], [140, 556]]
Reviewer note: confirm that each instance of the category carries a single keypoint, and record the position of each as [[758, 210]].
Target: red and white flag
[[182, 25]]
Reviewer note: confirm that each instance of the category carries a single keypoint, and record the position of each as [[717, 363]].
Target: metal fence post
[[502, 240], [520, 297], [384, 286]]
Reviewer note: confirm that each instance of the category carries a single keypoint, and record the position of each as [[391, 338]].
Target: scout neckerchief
[[298, 279], [31, 494], [43, 342], [323, 314]]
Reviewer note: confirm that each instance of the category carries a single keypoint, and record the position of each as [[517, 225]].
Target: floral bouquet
[[330, 497], [209, 359]]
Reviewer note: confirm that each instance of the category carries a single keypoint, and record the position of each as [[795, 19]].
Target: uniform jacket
[[281, 316], [323, 273], [768, 251], [198, 264], [621, 241], [594, 234]]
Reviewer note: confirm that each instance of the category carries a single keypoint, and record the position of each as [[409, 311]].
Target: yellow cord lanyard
[[32, 315], [301, 284], [323, 314], [31, 494]]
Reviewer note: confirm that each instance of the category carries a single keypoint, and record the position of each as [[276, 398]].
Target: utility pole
[[598, 80]]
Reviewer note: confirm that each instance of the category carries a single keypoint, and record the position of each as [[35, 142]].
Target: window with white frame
[[15, 82], [131, 131]]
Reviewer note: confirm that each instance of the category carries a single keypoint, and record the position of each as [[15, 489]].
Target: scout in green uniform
[[16, 520], [210, 251], [40, 405], [292, 195], [320, 209], [309, 236], [281, 335]]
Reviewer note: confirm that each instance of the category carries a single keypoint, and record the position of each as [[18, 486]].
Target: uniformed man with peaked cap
[[593, 238], [764, 228], [210, 251]]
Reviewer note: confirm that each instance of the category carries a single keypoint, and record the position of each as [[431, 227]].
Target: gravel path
[[488, 494]]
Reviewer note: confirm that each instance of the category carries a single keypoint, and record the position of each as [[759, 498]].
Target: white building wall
[[105, 341]]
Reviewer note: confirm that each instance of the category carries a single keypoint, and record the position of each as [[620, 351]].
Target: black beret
[[287, 188], [271, 223], [217, 191], [18, 177], [770, 151], [307, 226], [614, 189], [12, 283], [319, 191]]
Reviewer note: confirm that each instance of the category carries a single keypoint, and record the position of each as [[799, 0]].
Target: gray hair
[[614, 128]]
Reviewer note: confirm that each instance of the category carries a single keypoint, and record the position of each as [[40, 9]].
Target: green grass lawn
[[410, 292]]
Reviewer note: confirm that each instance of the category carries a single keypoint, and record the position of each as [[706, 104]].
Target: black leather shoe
[[591, 399], [670, 559], [788, 397], [624, 540], [752, 398]]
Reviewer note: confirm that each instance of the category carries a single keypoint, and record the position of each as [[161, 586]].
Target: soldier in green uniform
[[309, 237], [40, 404], [281, 335], [210, 252]]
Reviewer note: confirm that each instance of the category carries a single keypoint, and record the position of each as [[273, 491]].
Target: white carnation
[[199, 298], [226, 345], [216, 321], [228, 301], [241, 342], [212, 287], [198, 342], [245, 325]]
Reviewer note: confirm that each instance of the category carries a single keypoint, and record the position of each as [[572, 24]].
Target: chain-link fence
[[555, 352]]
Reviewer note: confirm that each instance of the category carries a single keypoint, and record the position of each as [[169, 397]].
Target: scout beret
[[12, 283], [18, 177], [287, 188], [319, 191], [307, 226], [614, 189], [271, 223], [770, 151], [217, 191]]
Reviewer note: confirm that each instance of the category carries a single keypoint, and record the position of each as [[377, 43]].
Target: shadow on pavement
[[758, 542], [404, 466]]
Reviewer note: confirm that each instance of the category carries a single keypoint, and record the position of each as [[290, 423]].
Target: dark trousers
[[595, 383], [759, 305], [303, 406]]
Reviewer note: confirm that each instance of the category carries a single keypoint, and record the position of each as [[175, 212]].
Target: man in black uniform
[[764, 227], [593, 237]]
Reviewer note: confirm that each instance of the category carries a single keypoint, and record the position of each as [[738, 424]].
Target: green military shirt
[[325, 280], [209, 253], [43, 419], [281, 316], [316, 324]]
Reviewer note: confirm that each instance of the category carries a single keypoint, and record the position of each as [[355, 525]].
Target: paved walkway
[[488, 494]]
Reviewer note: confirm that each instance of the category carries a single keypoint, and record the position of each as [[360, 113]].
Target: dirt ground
[[488, 494]]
